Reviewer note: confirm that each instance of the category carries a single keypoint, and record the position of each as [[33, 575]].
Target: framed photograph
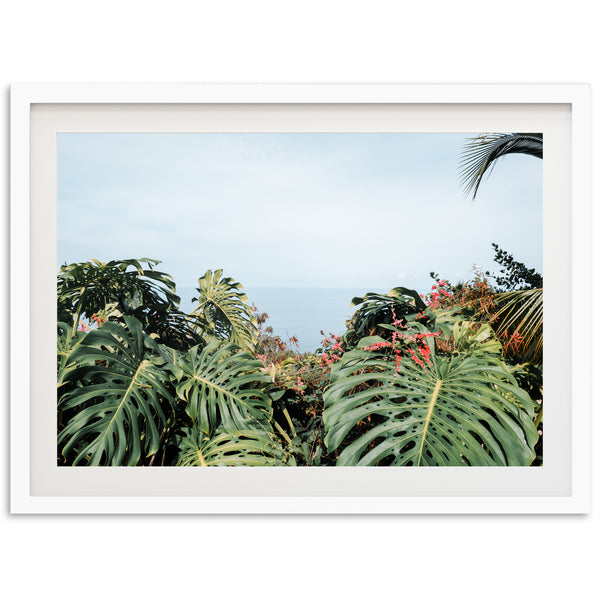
[[300, 298]]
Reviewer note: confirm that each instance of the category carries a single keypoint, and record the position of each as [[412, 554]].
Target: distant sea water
[[302, 312]]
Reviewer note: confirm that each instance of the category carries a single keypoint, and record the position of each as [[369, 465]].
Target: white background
[[292, 557]]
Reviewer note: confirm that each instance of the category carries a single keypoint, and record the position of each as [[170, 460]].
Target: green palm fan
[[481, 153], [522, 312]]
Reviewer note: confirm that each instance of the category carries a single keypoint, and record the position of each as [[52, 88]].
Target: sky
[[364, 210]]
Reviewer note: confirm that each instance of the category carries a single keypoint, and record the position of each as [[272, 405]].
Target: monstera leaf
[[116, 414], [170, 326], [376, 310], [224, 306], [84, 289], [459, 409], [222, 387], [66, 342], [247, 448]]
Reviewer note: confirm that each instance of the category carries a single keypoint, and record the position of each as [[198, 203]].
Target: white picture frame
[[38, 112]]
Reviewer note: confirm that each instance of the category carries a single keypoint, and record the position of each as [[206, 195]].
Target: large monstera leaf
[[84, 289], [121, 404], [377, 310], [222, 387], [224, 306], [464, 409], [247, 448]]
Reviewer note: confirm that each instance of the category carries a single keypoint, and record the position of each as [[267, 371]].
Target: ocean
[[302, 312]]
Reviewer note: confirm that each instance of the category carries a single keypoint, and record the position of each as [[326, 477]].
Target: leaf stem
[[79, 307], [282, 432]]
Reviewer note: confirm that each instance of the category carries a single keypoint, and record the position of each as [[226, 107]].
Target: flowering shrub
[[406, 341], [271, 349], [98, 319], [441, 294], [331, 349]]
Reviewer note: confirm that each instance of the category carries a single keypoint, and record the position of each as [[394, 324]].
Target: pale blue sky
[[367, 210]]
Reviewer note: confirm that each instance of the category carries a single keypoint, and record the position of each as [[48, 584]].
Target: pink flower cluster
[[437, 291], [299, 385], [332, 350], [98, 319], [327, 360], [425, 353], [421, 356], [378, 346], [514, 341], [262, 357]]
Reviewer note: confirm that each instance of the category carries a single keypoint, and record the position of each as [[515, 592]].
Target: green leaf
[[117, 412], [84, 289], [482, 152], [66, 342], [459, 410], [522, 312], [375, 311], [246, 448], [222, 387], [224, 306]]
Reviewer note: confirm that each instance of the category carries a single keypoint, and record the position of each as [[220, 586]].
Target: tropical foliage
[[453, 377], [224, 308], [416, 379], [521, 311], [481, 153], [429, 407]]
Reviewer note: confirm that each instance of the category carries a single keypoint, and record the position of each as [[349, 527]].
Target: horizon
[[294, 210]]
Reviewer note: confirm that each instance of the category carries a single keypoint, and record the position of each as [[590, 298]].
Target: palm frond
[[522, 312], [481, 153]]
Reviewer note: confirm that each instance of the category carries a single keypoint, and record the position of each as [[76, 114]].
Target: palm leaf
[[464, 409], [224, 306], [222, 387], [117, 412], [247, 448], [522, 312], [481, 153]]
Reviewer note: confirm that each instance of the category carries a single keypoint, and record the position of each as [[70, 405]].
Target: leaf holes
[[409, 446]]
